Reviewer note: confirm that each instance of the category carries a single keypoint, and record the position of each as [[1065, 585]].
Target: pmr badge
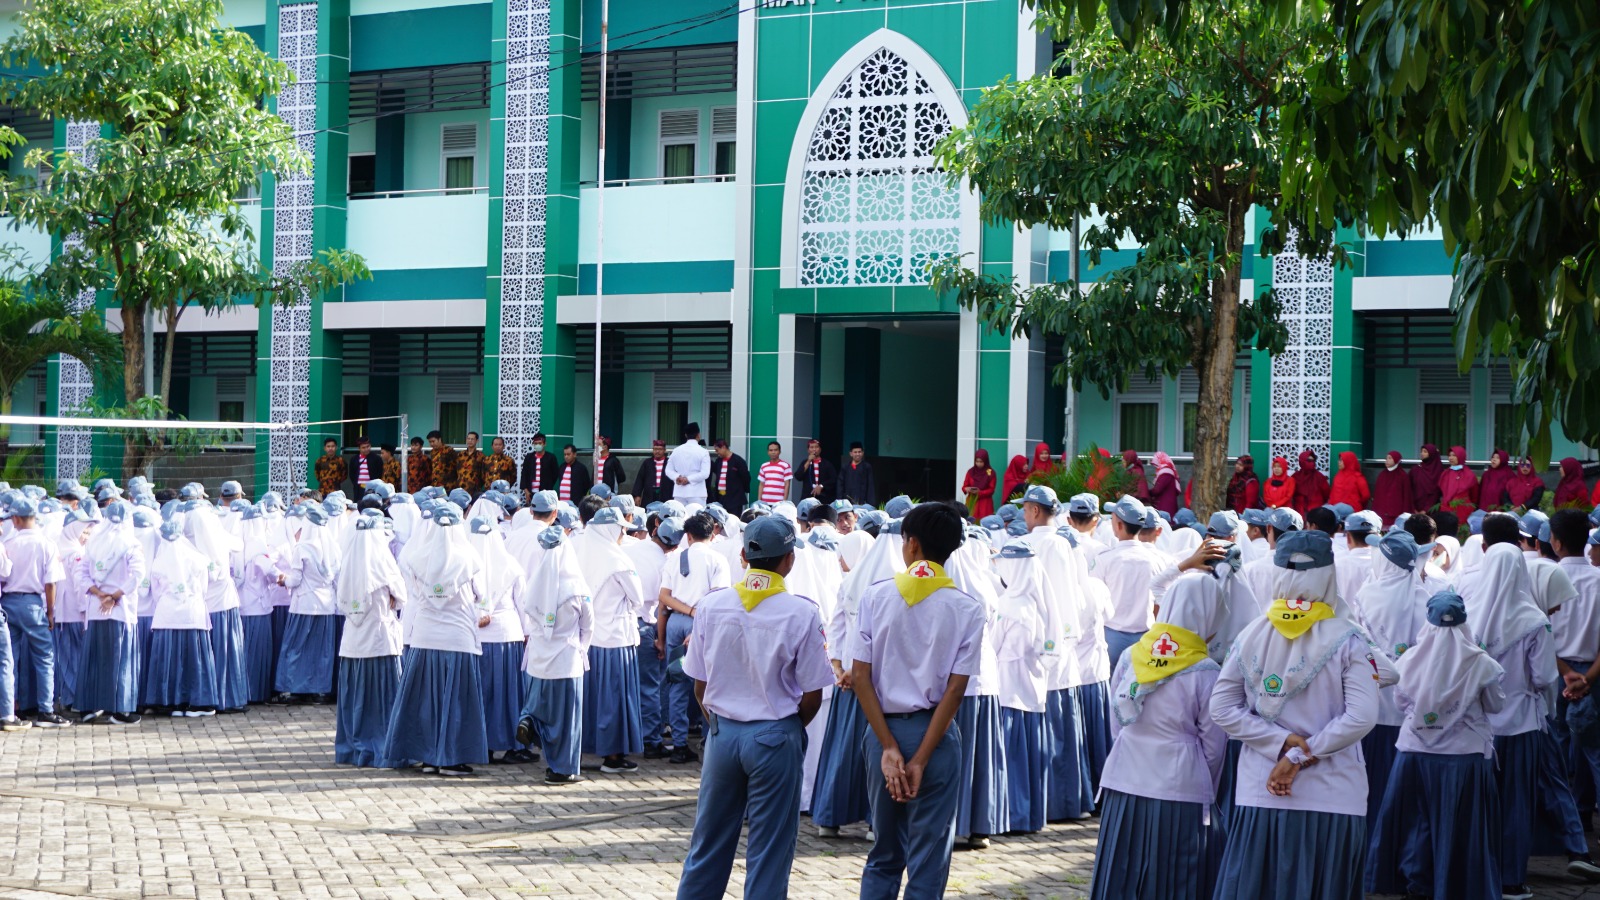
[[1273, 684], [1164, 647], [757, 581], [1299, 604], [922, 570]]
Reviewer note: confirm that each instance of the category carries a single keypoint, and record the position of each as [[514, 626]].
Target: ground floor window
[[1507, 427], [355, 407], [1139, 426], [453, 421], [1444, 424], [671, 417]]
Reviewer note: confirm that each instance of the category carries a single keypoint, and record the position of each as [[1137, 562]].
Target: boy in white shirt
[[687, 576]]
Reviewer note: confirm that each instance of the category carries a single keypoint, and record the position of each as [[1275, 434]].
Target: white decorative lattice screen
[[874, 207], [294, 197], [75, 384], [1302, 376], [522, 235]]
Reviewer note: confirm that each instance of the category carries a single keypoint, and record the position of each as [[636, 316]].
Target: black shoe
[[504, 759], [455, 770], [1516, 892], [1579, 865], [50, 720], [126, 719], [619, 766], [553, 777], [428, 770], [523, 755], [279, 700], [235, 711], [322, 700], [683, 755], [696, 731], [525, 730], [15, 723], [656, 751]]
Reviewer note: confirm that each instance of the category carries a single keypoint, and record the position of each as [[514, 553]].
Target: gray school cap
[[602, 490], [544, 502], [1129, 510], [1532, 522], [1363, 522], [143, 518], [670, 531], [1260, 518], [1304, 550], [1398, 547], [1185, 518], [1222, 525], [1285, 519], [230, 489], [551, 538], [481, 525], [1068, 532], [1084, 504], [23, 507], [768, 537], [1015, 527], [992, 523], [316, 515], [1042, 494], [1152, 519], [805, 506], [606, 515], [369, 523], [897, 507], [1016, 550], [1341, 511], [1007, 512], [172, 529]]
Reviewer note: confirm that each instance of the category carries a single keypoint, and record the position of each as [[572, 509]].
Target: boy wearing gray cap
[[28, 598], [759, 666]]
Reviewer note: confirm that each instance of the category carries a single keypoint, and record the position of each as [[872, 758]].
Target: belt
[[908, 715]]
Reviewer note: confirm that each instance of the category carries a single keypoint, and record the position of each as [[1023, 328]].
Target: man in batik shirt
[[330, 468]]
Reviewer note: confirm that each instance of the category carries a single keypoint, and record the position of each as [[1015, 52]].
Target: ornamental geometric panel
[[874, 206], [1302, 376], [76, 384], [522, 235], [294, 196]]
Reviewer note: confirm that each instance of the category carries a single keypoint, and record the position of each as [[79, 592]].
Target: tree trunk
[[133, 362], [172, 315], [1214, 365], [5, 430]]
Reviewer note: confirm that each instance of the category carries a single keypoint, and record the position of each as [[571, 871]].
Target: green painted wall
[[439, 36], [650, 23], [424, 169]]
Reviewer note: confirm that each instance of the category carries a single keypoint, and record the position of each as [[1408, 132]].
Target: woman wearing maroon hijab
[[1310, 485], [1016, 478], [1391, 496], [1458, 487], [1492, 488], [1244, 489], [979, 485], [1526, 488], [1141, 488], [1571, 491], [1164, 493], [1425, 479]]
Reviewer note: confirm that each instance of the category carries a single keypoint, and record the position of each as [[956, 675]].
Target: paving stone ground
[[252, 806]]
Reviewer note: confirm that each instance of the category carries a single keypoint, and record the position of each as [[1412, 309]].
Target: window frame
[[1139, 401], [446, 155], [663, 142], [349, 162]]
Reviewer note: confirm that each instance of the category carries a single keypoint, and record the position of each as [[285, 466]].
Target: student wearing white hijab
[[438, 712], [1157, 838], [1538, 816], [72, 608], [180, 675], [558, 605], [310, 642], [1300, 690], [647, 556], [260, 587], [839, 795], [502, 641], [280, 538], [111, 573], [981, 809], [1023, 663], [1392, 607], [370, 588], [221, 548], [611, 726], [1438, 830]]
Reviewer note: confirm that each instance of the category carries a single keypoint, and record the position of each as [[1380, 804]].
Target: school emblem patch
[[1299, 604], [1049, 645], [549, 618], [1400, 649], [1272, 683], [757, 581], [438, 590], [1429, 718], [1164, 647]]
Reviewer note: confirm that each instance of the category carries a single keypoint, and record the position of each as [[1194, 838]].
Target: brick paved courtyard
[[252, 806]]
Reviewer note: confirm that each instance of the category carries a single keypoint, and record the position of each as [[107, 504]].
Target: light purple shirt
[[1173, 751], [756, 664], [34, 563], [1577, 622], [913, 650]]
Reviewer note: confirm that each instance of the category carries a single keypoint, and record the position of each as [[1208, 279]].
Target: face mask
[[1391, 466], [1456, 468], [538, 448]]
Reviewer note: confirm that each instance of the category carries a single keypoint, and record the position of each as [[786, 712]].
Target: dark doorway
[[830, 427]]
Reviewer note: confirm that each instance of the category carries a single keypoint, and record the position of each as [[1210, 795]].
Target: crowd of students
[[1270, 704]]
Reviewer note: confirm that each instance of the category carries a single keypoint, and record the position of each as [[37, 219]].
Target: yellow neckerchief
[[758, 585], [920, 579], [1294, 618], [1164, 651]]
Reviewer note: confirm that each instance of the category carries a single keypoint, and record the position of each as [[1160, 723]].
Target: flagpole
[[600, 234]]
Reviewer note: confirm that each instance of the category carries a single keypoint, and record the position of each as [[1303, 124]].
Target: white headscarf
[[502, 573], [1392, 606], [321, 545], [368, 568], [1499, 599], [883, 560], [109, 544], [599, 554], [1442, 675], [1263, 651], [407, 519], [1191, 603], [447, 562], [557, 579]]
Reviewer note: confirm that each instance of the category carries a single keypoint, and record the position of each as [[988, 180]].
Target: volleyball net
[[260, 456]]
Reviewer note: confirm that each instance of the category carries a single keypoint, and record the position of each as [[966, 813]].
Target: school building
[[769, 200]]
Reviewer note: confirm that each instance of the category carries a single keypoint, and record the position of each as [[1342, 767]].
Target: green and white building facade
[[769, 201]]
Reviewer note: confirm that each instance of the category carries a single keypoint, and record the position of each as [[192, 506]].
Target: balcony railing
[[678, 179], [420, 192]]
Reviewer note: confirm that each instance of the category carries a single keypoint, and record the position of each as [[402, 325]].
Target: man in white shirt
[[1127, 568], [28, 597], [690, 573], [1354, 566], [1083, 514], [1551, 586], [689, 466]]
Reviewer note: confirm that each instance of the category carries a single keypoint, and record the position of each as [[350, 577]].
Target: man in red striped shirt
[[774, 475]]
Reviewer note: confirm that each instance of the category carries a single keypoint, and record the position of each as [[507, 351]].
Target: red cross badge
[[1299, 603], [922, 570], [756, 581], [1165, 647]]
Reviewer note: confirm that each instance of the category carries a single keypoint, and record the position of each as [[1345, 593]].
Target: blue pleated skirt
[[1275, 854], [611, 703], [145, 630], [1438, 832], [1225, 782], [556, 707], [982, 807], [68, 637], [500, 673], [1094, 703], [305, 664], [258, 657], [839, 797], [1537, 814], [228, 654], [280, 624], [108, 668], [1155, 849], [1069, 795], [1027, 768], [367, 688], [1379, 751], [438, 711], [181, 672]]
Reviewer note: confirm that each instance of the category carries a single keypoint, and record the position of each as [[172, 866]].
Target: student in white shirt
[[1355, 565], [756, 656], [1023, 662], [305, 664], [689, 466], [647, 556], [370, 589], [1437, 833], [221, 548], [1577, 635], [558, 606], [1260, 573], [72, 606], [443, 731], [1127, 568], [917, 642], [502, 642], [180, 674], [982, 807], [1156, 836], [259, 590], [688, 575], [112, 573], [611, 687], [1535, 798], [1300, 690], [28, 597]]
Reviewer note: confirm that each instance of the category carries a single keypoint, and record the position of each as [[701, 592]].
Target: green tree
[[1171, 143], [34, 328], [184, 130]]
